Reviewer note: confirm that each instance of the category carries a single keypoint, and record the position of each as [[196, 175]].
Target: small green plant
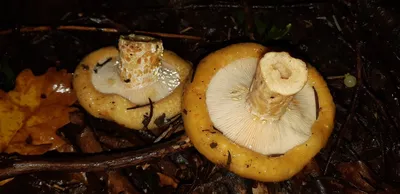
[[262, 29], [276, 33], [272, 33]]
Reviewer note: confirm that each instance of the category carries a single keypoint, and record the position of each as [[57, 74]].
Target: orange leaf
[[31, 114], [167, 181], [3, 182], [27, 90], [11, 120]]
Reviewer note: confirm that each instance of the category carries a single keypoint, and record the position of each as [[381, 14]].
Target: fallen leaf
[[311, 170], [31, 114], [260, 188], [362, 179], [3, 182], [358, 174], [167, 181], [145, 166], [11, 120], [25, 149]]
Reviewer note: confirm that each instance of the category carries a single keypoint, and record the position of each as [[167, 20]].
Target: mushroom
[[262, 114], [138, 86]]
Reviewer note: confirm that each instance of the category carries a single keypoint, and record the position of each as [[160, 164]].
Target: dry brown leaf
[[31, 114], [358, 174], [167, 181], [362, 178], [3, 182], [260, 189]]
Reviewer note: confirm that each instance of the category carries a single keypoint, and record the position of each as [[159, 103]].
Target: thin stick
[[17, 165], [165, 35], [236, 6], [343, 128], [49, 28], [89, 28], [335, 77], [186, 29], [249, 20]]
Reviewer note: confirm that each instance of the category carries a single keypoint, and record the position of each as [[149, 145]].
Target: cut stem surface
[[277, 79]]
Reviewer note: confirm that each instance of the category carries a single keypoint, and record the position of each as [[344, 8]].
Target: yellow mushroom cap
[[227, 95], [104, 92], [221, 149]]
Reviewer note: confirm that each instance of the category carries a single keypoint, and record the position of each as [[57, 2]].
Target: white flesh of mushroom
[[107, 81], [135, 76], [230, 109]]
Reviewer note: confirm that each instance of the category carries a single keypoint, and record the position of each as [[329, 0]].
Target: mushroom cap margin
[[113, 107], [240, 160]]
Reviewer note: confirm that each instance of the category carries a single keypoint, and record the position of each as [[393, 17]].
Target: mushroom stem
[[277, 79], [139, 59]]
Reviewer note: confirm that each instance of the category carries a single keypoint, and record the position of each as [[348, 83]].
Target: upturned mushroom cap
[[221, 121], [138, 86]]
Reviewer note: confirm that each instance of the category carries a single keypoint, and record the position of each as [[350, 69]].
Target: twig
[[185, 30], [343, 128], [165, 35], [236, 6], [17, 165], [335, 77], [336, 23], [89, 28], [174, 127], [249, 20], [49, 28]]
